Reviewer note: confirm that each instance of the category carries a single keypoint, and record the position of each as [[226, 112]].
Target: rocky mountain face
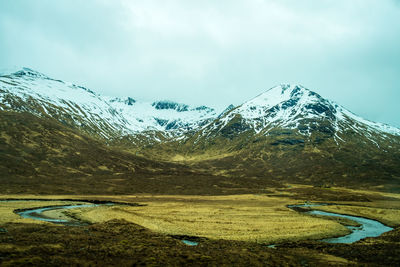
[[286, 134], [290, 133], [109, 118], [297, 110], [171, 118], [295, 107], [75, 106]]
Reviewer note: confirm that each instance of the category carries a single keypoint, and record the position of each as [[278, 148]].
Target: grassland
[[253, 218], [239, 217], [233, 229], [7, 208]]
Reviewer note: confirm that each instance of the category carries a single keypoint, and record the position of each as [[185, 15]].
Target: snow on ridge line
[[382, 127], [76, 101], [170, 116], [11, 70], [27, 83], [283, 105]]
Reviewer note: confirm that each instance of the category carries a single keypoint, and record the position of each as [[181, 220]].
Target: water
[[368, 228], [37, 214], [190, 243]]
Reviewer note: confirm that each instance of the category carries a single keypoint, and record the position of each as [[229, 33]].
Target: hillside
[[292, 134], [103, 117], [59, 136], [43, 156]]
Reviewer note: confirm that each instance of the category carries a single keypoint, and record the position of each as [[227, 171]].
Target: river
[[367, 228]]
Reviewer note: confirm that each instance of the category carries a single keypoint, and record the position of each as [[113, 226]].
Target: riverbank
[[66, 215], [256, 218], [253, 218], [123, 241], [120, 243]]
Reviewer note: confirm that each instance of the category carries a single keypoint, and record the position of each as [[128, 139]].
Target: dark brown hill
[[43, 156]]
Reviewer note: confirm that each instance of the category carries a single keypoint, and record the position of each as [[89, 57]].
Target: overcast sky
[[213, 52]]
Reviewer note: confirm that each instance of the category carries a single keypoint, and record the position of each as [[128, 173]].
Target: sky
[[211, 52]]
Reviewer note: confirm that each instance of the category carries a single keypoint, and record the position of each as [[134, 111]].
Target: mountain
[[75, 106], [108, 118], [169, 117], [286, 134], [39, 155], [295, 107], [292, 134], [299, 109]]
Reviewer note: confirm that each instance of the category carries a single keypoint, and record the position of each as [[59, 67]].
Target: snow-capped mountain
[[167, 116], [290, 107], [287, 133], [297, 108], [30, 91], [290, 133]]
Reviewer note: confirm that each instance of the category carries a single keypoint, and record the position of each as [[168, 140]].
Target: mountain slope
[[166, 116], [286, 134], [43, 156], [104, 117], [290, 133], [295, 107], [30, 91]]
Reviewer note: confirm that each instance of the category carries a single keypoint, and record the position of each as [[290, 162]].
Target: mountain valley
[[159, 174], [288, 134]]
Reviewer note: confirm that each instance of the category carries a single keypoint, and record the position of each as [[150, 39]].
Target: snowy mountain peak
[[130, 101], [228, 108], [27, 72], [167, 116], [289, 100], [282, 93], [165, 104], [127, 100], [296, 107], [283, 106]]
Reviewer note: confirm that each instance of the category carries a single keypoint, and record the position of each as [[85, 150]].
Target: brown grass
[[239, 217], [259, 218]]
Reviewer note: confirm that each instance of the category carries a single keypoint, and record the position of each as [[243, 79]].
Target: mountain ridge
[[176, 115], [288, 133]]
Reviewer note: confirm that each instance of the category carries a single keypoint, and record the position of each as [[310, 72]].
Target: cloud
[[213, 52]]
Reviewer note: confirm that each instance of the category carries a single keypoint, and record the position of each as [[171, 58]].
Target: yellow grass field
[[258, 218], [263, 219], [240, 217]]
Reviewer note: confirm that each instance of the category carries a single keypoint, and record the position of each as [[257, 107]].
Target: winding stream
[[42, 213], [367, 228], [37, 214]]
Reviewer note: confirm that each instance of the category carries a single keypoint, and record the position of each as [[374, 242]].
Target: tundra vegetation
[[229, 229]]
